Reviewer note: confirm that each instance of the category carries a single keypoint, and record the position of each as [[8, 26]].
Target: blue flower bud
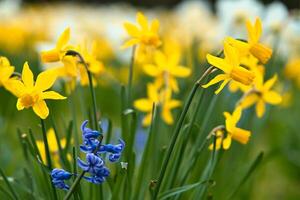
[[60, 184], [88, 133], [60, 174]]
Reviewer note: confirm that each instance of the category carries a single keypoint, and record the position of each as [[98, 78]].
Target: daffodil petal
[[52, 95], [167, 116], [144, 105], [173, 84], [27, 76], [45, 80], [215, 80], [130, 43], [40, 108], [152, 70], [131, 29], [272, 97], [249, 100], [260, 108], [258, 28], [269, 83], [223, 84], [152, 92], [17, 88], [154, 26], [20, 105], [173, 104], [63, 39], [226, 142], [147, 119], [142, 20], [218, 63], [180, 71]]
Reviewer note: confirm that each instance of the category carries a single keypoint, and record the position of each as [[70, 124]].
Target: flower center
[[150, 39], [28, 100]]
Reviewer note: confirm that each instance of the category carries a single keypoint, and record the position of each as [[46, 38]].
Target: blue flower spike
[[94, 165]]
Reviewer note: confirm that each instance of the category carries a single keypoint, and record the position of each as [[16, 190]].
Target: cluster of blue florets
[[94, 163]]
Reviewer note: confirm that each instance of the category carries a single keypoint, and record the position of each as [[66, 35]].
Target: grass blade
[[9, 186], [250, 171], [179, 190]]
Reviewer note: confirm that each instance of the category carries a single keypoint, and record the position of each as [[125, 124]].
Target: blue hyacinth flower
[[92, 165], [114, 150], [88, 133], [59, 176]]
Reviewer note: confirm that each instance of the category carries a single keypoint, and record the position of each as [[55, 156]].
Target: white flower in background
[[290, 37], [232, 15], [194, 20], [275, 17]]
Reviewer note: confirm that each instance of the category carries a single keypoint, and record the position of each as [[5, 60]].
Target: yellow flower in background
[[252, 46], [6, 70], [146, 34], [103, 49], [292, 70], [53, 148], [33, 94], [69, 71], [166, 69], [167, 105], [233, 132], [146, 104], [261, 95], [95, 66], [163, 98], [230, 65], [60, 49]]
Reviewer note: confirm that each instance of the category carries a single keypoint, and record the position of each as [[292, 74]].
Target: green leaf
[[250, 171], [179, 190], [9, 186]]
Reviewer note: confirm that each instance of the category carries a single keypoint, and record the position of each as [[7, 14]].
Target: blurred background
[[199, 27]]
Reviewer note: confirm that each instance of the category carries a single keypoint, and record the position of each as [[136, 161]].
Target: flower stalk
[[177, 131]]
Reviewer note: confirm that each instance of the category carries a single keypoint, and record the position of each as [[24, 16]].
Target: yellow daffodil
[[260, 95], [33, 94], [292, 70], [6, 70], [60, 49], [53, 148], [252, 46], [163, 97], [166, 69], [69, 71], [95, 66], [233, 132], [146, 104], [167, 105], [230, 65], [146, 35]]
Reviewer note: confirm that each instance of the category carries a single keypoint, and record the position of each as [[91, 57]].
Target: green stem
[[48, 156], [130, 76], [96, 126], [177, 131]]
